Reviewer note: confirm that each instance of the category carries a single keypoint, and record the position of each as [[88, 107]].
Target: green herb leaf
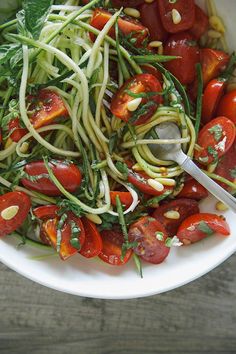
[[217, 131], [138, 264], [122, 168], [155, 58], [233, 172], [7, 52], [202, 226]]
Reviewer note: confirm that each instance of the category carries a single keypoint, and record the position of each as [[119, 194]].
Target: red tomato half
[[211, 98], [125, 198], [15, 130], [147, 68], [213, 63], [227, 106], [201, 23], [45, 108], [186, 10], [67, 174], [112, 241], [150, 17], [185, 208], [92, 246], [10, 220], [193, 190], [216, 138], [50, 227], [184, 46], [150, 235], [127, 26], [142, 83], [199, 226], [46, 212], [140, 180], [227, 167]]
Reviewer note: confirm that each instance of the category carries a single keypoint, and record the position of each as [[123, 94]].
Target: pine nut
[[94, 218], [166, 181], [217, 24], [214, 34], [129, 11], [149, 1], [24, 147], [221, 206], [10, 212], [155, 44], [172, 214], [133, 105], [155, 184], [176, 17]]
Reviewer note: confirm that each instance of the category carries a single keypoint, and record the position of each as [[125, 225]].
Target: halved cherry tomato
[[112, 241], [46, 212], [127, 3], [213, 63], [125, 198], [142, 83], [14, 208], [227, 106], [201, 23], [211, 98], [185, 208], [227, 167], [140, 180], [193, 190], [127, 26], [45, 108], [184, 46], [67, 174], [215, 139], [50, 227], [15, 130], [147, 68], [92, 246], [150, 235], [150, 17], [186, 10], [197, 227]]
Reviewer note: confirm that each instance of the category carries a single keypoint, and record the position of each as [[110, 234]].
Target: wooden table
[[198, 318]]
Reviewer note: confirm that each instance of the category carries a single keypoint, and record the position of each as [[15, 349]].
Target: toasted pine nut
[[155, 44], [133, 105], [214, 34], [129, 11], [176, 17], [166, 181], [94, 218], [221, 206], [217, 24], [172, 214], [24, 147], [10, 212], [155, 184]]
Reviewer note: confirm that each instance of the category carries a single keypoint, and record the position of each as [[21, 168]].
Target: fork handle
[[189, 166]]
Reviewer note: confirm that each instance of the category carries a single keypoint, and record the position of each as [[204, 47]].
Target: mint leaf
[[202, 226], [217, 131]]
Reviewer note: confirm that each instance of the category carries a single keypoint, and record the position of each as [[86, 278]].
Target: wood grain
[[198, 318]]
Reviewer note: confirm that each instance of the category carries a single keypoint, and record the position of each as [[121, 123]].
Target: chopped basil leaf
[[233, 172], [217, 131], [202, 226], [159, 236], [213, 152]]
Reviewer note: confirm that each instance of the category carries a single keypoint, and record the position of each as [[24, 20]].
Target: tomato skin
[[46, 107], [149, 248], [17, 131], [193, 190], [92, 246], [186, 10], [213, 63], [227, 106], [211, 98], [227, 167], [46, 211], [150, 17], [125, 198], [7, 200], [68, 175], [207, 140], [189, 232], [112, 241], [185, 207], [139, 180], [138, 84], [147, 68], [50, 228], [201, 23], [127, 3], [183, 45]]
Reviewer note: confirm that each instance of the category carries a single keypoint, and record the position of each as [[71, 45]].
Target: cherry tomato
[[227, 106], [213, 63], [127, 3], [45, 108], [185, 208], [127, 26], [211, 98], [92, 246], [150, 235], [193, 190], [199, 226], [147, 68], [186, 10], [150, 17], [112, 241], [15, 130], [184, 46], [46, 211], [215, 139], [227, 167], [125, 198], [201, 23], [67, 250], [14, 208], [140, 180], [142, 83], [67, 174]]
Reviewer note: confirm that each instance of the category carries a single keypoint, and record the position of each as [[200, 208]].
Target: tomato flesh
[[213, 63], [227, 106], [201, 23], [142, 83], [19, 200], [112, 241], [16, 132], [46, 211], [140, 180], [125, 198], [185, 208], [197, 227], [211, 98], [193, 190], [92, 246], [184, 46], [227, 167], [67, 174], [150, 236]]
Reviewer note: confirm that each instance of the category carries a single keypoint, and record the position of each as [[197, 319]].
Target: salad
[[82, 88]]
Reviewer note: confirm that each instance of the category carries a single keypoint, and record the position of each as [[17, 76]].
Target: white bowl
[[92, 278]]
